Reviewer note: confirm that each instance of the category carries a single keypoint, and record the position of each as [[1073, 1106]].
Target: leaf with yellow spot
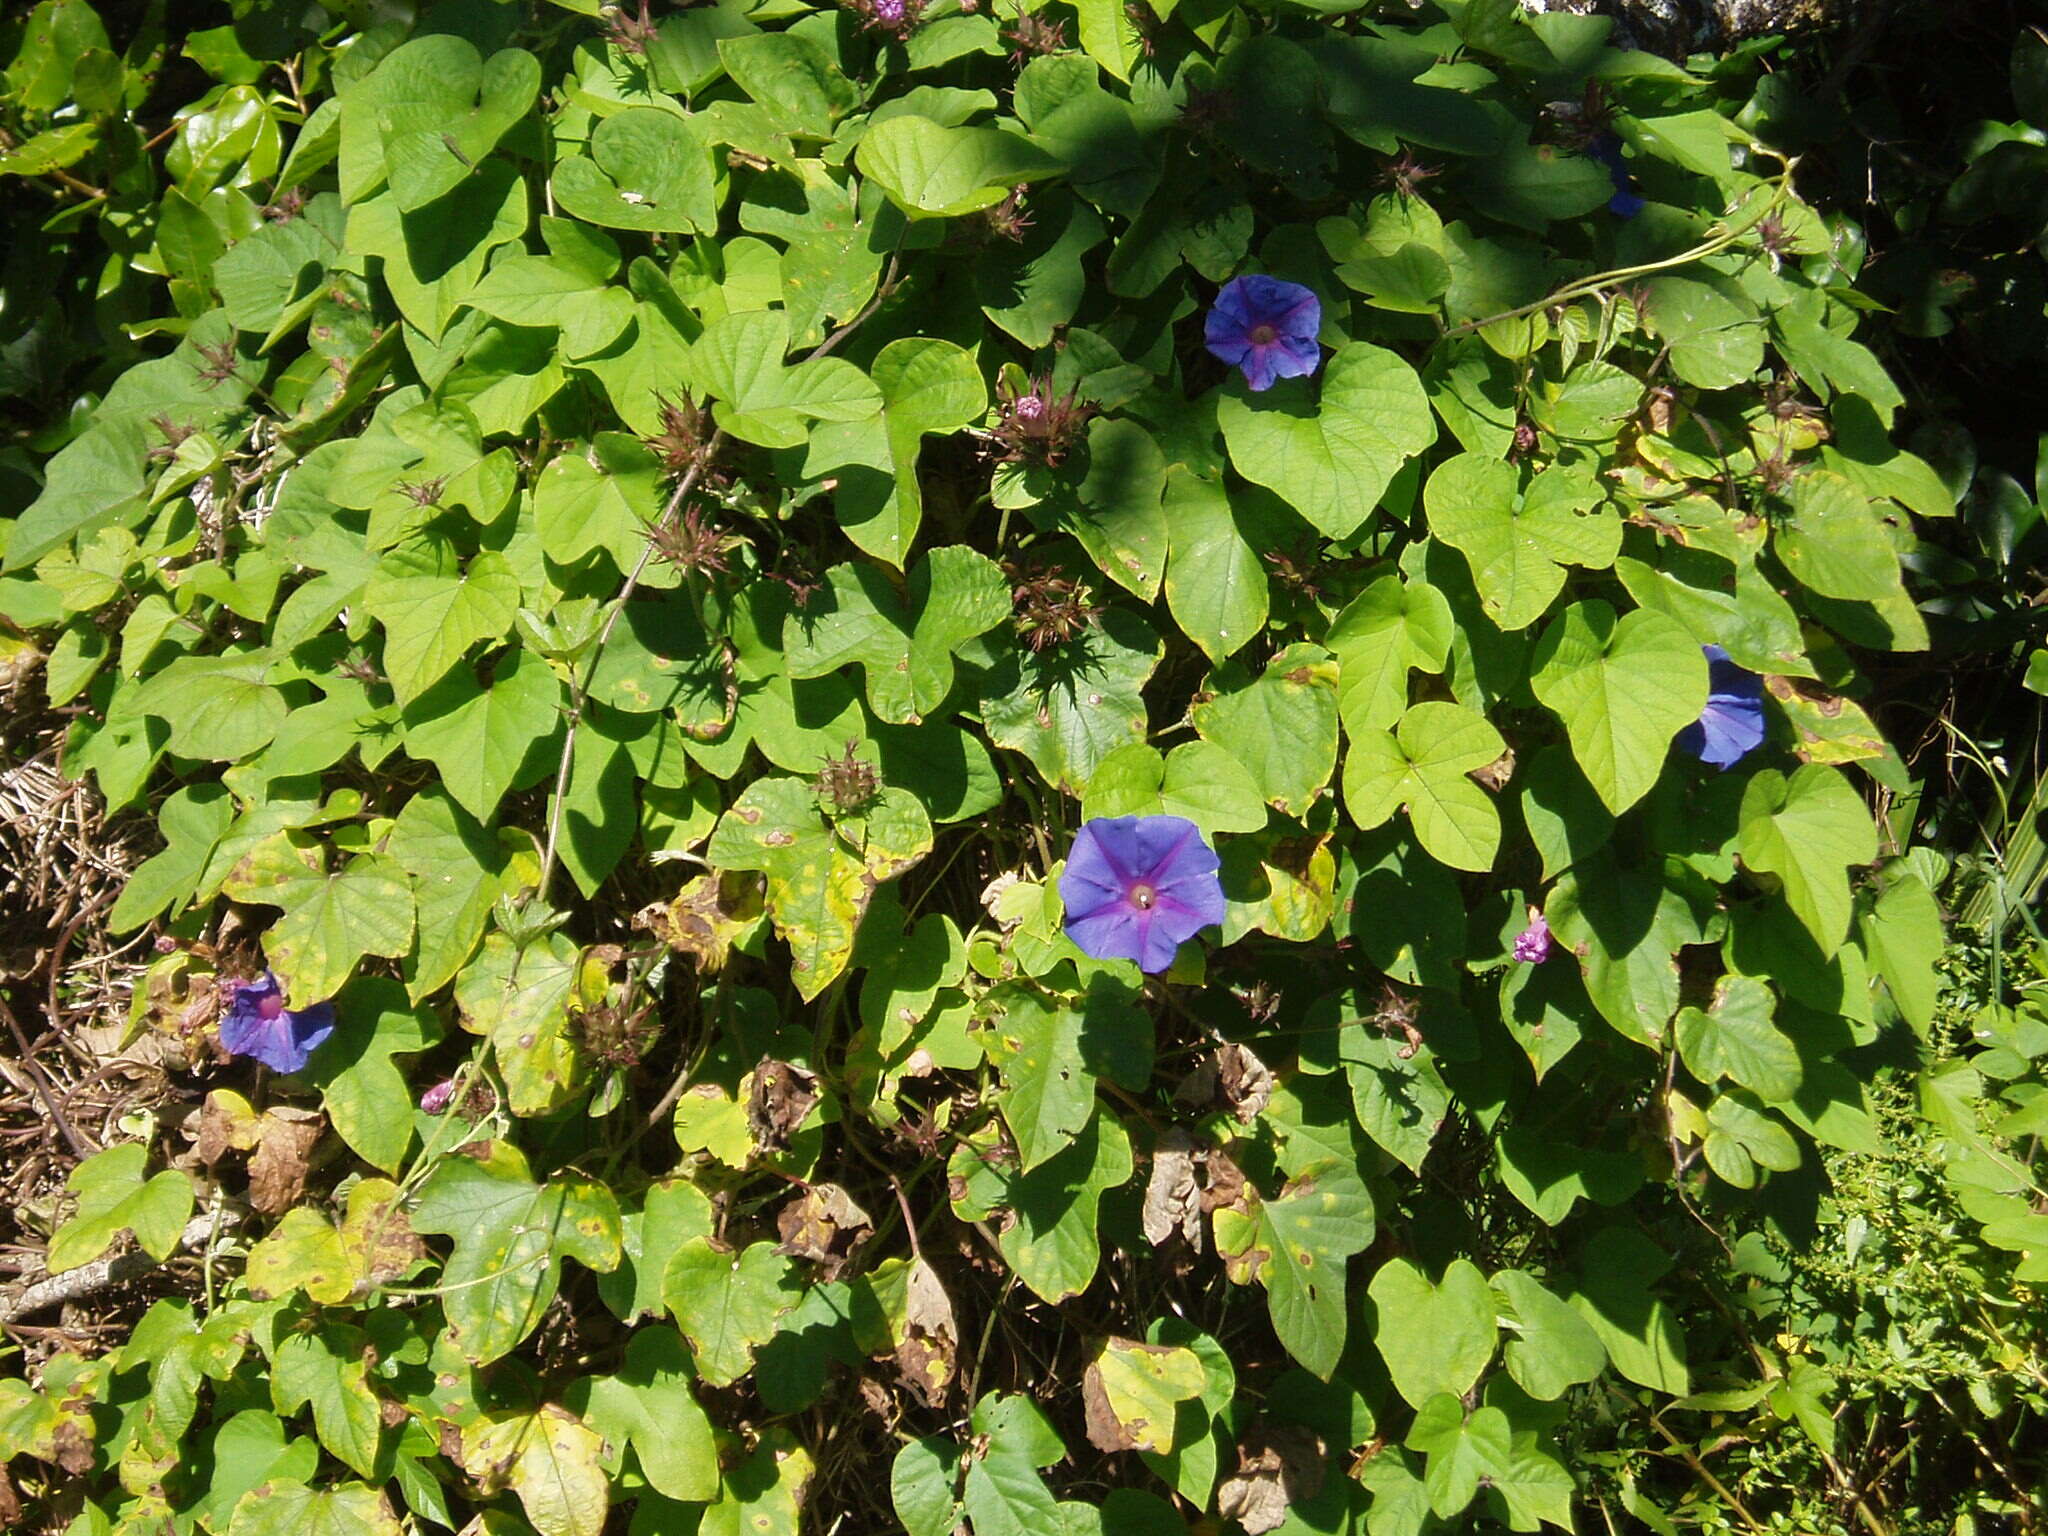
[[302, 1252], [521, 998], [820, 875], [292, 1509], [1131, 1392], [1296, 1246], [510, 1234], [552, 1460]]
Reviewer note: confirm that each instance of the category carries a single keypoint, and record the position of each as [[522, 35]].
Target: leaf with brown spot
[[1131, 1394], [376, 1235], [708, 915]]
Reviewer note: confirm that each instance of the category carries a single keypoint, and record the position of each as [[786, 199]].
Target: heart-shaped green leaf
[[1807, 830], [647, 169], [1623, 687], [1519, 538], [1421, 766], [1329, 447]]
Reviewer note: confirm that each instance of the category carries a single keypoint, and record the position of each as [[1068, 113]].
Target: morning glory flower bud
[[1265, 327], [258, 1024], [1137, 887], [1732, 724]]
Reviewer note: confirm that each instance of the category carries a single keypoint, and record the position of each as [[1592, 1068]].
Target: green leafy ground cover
[[555, 542]]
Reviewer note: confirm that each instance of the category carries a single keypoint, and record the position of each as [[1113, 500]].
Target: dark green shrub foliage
[[619, 547]]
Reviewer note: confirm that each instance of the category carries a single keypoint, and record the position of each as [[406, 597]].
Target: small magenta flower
[[1266, 327], [1626, 202], [436, 1098], [258, 1024], [1533, 943], [1136, 887], [1732, 724]]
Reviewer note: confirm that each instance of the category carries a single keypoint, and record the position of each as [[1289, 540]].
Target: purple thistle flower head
[[1533, 943], [1732, 724], [258, 1024], [1626, 202], [1266, 327], [1136, 887]]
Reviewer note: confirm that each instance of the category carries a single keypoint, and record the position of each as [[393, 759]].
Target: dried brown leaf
[[929, 1355], [1106, 1431], [1172, 1202], [824, 1225], [1277, 1465], [225, 1122], [278, 1167], [781, 1096]]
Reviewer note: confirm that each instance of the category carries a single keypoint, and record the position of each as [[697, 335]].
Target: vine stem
[[579, 687], [1581, 287]]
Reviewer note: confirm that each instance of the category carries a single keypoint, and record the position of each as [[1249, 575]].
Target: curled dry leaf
[[929, 1355], [992, 897], [780, 1098], [1231, 1078], [1277, 1465], [278, 1167], [1172, 1202], [824, 1225], [707, 916]]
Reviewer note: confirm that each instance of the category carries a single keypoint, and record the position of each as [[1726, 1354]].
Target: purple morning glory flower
[[1626, 202], [1532, 944], [1266, 327], [258, 1024], [1732, 724], [1135, 887]]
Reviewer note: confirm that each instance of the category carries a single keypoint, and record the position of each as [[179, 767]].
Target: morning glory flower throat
[[1265, 327], [1137, 887], [1732, 724], [258, 1024]]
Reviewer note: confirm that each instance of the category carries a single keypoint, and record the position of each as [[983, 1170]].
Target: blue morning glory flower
[[258, 1024], [1732, 724], [1266, 327], [1626, 202], [1136, 887]]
